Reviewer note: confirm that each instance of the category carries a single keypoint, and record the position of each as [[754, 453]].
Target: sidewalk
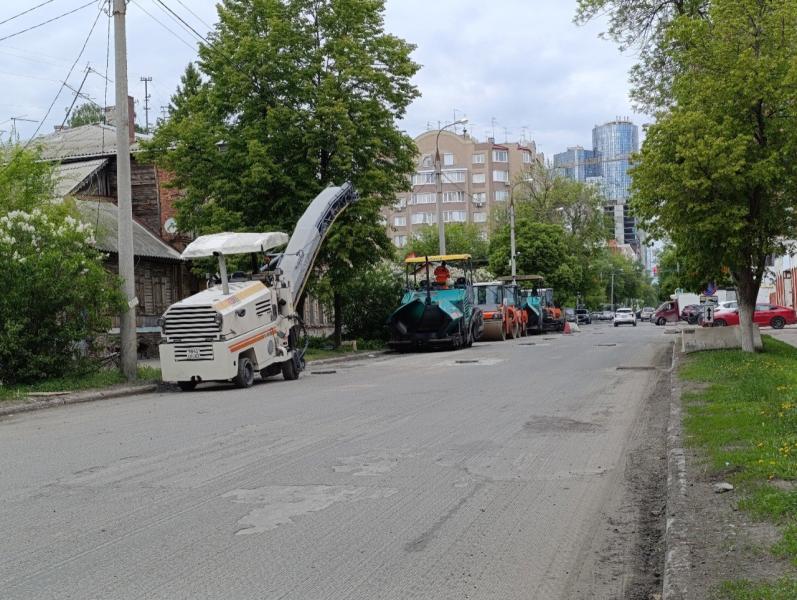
[[788, 334]]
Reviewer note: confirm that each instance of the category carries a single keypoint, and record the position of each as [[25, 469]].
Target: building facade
[[606, 166], [477, 176]]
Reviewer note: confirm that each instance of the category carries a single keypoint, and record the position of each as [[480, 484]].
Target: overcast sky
[[522, 63]]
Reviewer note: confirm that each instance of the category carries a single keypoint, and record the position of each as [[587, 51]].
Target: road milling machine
[[248, 323]]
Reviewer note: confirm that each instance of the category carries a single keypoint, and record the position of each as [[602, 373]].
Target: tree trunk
[[337, 335], [748, 293]]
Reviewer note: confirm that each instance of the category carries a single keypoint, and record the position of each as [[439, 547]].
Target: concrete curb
[[76, 398], [677, 553], [350, 357]]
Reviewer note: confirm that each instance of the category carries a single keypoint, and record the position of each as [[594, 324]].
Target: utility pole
[[127, 326], [147, 97], [612, 291], [438, 173]]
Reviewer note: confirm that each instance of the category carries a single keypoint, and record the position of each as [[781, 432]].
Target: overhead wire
[[167, 28], [24, 12], [60, 89], [200, 19], [43, 23]]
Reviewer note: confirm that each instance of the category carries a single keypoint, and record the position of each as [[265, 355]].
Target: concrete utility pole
[[127, 326], [438, 172], [147, 97]]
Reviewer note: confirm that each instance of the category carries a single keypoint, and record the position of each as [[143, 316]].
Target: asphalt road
[[406, 476]]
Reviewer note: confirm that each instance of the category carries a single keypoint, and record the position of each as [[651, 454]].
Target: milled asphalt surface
[[405, 476]]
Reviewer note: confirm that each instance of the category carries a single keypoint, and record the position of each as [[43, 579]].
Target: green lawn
[[96, 380], [746, 422]]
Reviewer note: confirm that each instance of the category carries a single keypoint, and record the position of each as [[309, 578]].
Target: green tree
[[290, 96], [643, 25], [86, 114], [57, 296], [461, 238], [717, 173]]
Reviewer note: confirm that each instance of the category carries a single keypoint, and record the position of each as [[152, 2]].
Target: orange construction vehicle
[[500, 304]]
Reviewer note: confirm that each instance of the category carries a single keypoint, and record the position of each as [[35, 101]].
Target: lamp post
[[512, 249], [438, 168]]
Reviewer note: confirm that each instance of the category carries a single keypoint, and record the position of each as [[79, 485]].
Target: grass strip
[[100, 379], [744, 417]]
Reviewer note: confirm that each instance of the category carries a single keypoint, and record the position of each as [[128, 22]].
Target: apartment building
[[477, 176]]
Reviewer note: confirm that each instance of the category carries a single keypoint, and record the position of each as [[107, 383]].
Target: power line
[[195, 32], [61, 89], [154, 18], [42, 24], [24, 12], [200, 19]]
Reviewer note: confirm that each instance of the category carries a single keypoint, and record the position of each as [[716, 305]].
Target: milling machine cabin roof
[[234, 243], [436, 258]]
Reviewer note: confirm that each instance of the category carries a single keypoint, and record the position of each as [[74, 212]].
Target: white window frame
[[400, 241], [455, 216], [478, 158], [452, 197], [478, 178], [500, 156], [501, 195], [454, 176], [424, 218], [479, 198], [480, 217], [423, 178], [424, 198], [400, 221], [501, 176], [448, 159]]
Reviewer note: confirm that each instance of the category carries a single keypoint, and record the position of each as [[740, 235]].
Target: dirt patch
[[626, 558], [726, 543]]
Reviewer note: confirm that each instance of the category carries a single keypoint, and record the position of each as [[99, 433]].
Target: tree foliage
[[289, 97], [86, 114], [461, 238], [717, 171], [57, 296], [643, 25]]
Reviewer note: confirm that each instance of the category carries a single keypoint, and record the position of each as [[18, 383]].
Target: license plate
[[192, 354]]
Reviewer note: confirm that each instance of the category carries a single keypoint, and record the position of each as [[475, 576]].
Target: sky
[[515, 68]]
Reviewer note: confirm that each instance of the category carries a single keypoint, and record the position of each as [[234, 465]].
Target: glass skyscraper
[[606, 166]]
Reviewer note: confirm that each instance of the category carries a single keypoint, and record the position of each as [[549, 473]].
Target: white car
[[624, 316]]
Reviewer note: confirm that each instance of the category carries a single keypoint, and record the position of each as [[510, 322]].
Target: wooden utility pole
[[127, 326]]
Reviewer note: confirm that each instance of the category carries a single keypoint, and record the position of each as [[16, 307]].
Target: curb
[[677, 552], [78, 398], [350, 357]]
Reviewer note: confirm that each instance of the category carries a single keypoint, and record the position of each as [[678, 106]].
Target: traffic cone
[[567, 327]]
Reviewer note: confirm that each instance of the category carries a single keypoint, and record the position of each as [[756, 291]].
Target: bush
[[368, 301], [56, 294]]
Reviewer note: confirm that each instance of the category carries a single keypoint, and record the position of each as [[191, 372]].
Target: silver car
[[624, 316]]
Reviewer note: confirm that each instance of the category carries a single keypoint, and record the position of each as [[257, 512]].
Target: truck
[[435, 314], [670, 311], [248, 323]]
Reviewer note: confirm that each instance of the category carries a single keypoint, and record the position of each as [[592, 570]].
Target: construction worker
[[441, 274]]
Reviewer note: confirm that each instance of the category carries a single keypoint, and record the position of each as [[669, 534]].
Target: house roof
[[105, 216], [68, 176], [86, 141]]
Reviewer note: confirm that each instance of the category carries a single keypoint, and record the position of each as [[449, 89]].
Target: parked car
[[624, 316], [607, 315], [570, 315], [646, 314], [583, 316], [690, 312], [765, 315]]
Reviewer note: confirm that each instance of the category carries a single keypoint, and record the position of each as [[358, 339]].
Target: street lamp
[[438, 168], [512, 250]]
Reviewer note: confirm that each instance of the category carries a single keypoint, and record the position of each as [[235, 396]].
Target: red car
[[765, 315]]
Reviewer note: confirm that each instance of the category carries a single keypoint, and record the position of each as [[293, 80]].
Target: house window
[[483, 235], [453, 176], [424, 218], [454, 197], [424, 178], [423, 199], [400, 203], [500, 156], [426, 161], [448, 159], [501, 195], [455, 216], [399, 221], [400, 241], [478, 178], [527, 157], [480, 198], [478, 159], [480, 217], [501, 176]]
